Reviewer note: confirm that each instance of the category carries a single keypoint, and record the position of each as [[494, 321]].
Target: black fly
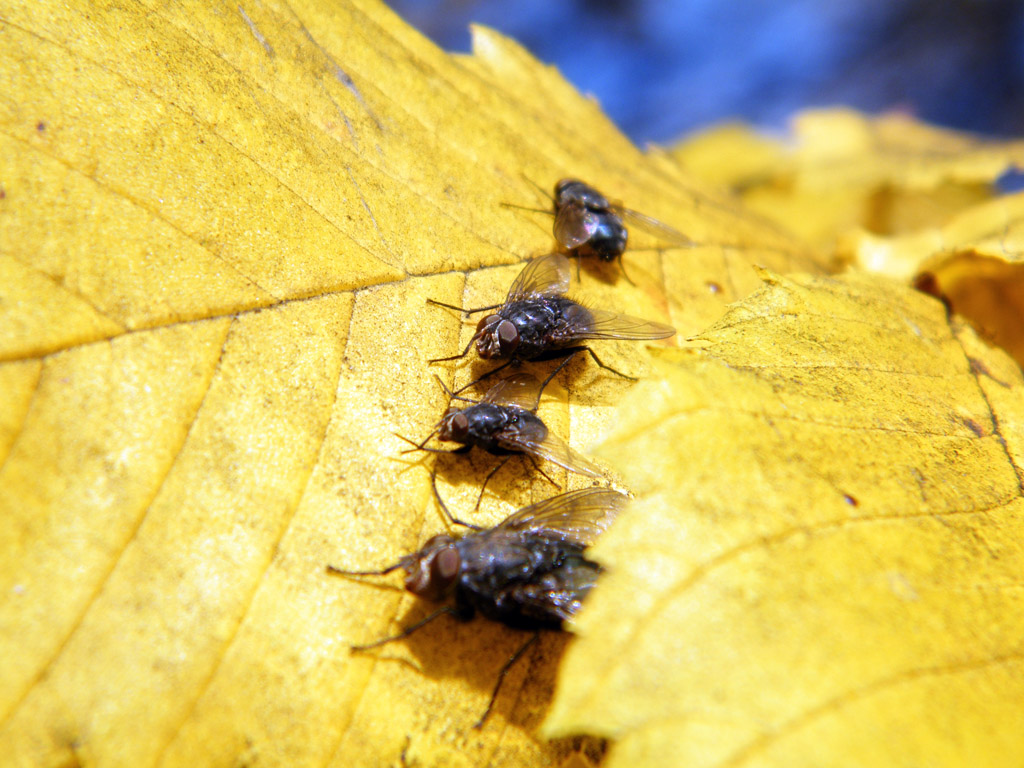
[[505, 422], [587, 224], [537, 321], [527, 572]]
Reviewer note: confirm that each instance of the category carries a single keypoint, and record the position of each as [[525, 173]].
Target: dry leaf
[[840, 169], [825, 565], [220, 225], [973, 262]]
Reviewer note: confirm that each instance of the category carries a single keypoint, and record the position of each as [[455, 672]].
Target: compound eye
[[445, 566], [508, 338], [460, 426], [561, 191]]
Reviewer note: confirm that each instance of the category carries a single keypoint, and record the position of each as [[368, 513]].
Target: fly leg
[[444, 507], [421, 446], [501, 677], [455, 395], [558, 368], [454, 357], [545, 474], [408, 630], [487, 375], [573, 350], [487, 479], [622, 268], [437, 303]]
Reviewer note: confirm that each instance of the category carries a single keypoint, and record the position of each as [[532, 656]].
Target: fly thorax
[[485, 420], [539, 430], [534, 320]]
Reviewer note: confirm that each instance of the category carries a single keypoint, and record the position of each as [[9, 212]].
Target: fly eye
[[460, 426], [445, 566], [431, 571], [485, 324], [508, 338], [561, 191]]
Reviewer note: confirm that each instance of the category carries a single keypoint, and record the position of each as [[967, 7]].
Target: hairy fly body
[[538, 321], [529, 571], [504, 421], [588, 224]]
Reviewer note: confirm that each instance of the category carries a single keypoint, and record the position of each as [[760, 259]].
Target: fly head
[[454, 426], [496, 337], [432, 572], [574, 191]]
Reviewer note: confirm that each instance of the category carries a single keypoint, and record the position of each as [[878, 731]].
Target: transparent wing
[[575, 225], [544, 276], [578, 515], [603, 324], [519, 390], [653, 226], [543, 443]]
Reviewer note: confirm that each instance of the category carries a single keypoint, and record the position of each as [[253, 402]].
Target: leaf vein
[[45, 669]]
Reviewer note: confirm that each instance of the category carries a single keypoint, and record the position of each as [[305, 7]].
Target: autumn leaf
[[973, 262], [219, 227], [824, 566], [839, 169]]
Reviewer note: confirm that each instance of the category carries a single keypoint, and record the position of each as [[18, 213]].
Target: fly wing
[[575, 225], [519, 390], [654, 227], [580, 516], [537, 440], [544, 276], [603, 324]]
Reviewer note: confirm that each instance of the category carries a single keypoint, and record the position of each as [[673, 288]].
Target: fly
[[588, 224], [527, 572], [505, 422], [538, 321]]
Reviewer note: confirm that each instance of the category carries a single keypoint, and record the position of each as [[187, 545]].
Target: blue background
[[663, 68]]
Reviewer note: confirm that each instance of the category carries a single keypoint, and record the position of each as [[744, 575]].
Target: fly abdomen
[[543, 584], [608, 241]]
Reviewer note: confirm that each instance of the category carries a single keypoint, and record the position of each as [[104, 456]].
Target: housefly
[[527, 572], [537, 321], [505, 422], [588, 224]]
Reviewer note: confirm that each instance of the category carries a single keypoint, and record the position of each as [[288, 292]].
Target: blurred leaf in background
[[664, 69]]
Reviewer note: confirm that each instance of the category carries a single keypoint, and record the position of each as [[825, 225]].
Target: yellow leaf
[[840, 169], [220, 226], [824, 568], [974, 262]]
